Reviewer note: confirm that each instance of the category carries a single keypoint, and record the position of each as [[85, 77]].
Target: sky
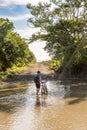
[[16, 12]]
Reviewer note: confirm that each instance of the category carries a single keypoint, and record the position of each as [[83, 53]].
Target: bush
[[55, 65]]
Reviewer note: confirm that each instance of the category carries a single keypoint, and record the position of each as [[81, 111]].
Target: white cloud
[[35, 47], [12, 2], [18, 17], [38, 49], [19, 2], [26, 32]]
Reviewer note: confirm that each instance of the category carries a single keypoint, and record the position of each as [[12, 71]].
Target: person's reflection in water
[[41, 101], [44, 100], [37, 100]]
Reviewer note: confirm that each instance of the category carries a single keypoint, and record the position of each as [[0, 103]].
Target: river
[[64, 108]]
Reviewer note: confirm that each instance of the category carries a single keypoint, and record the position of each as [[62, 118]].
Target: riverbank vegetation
[[63, 25], [14, 51]]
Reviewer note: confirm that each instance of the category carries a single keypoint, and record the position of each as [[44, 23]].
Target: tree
[[13, 48], [63, 25]]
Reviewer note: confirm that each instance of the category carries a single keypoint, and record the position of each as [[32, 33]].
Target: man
[[37, 80]]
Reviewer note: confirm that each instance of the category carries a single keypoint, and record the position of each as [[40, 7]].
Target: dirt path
[[44, 68], [29, 73]]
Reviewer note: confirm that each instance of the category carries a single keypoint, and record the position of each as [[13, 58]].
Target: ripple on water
[[64, 108]]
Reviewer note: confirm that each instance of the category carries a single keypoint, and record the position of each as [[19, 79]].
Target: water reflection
[[37, 101], [41, 101], [11, 89], [77, 91], [12, 96], [64, 108], [12, 103]]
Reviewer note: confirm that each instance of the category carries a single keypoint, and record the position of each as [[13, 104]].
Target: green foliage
[[11, 72], [63, 26], [55, 64], [13, 49], [5, 27]]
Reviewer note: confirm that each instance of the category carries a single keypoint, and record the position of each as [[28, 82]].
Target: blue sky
[[16, 12]]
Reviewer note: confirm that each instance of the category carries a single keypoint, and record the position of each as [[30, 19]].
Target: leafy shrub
[[55, 65]]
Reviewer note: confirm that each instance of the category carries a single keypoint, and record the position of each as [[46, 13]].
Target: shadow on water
[[12, 96], [77, 90], [73, 90], [10, 106], [11, 89]]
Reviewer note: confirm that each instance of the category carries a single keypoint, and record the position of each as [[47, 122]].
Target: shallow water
[[64, 108]]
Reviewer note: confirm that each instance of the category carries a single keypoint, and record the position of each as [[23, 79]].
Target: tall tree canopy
[[63, 25], [13, 48]]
